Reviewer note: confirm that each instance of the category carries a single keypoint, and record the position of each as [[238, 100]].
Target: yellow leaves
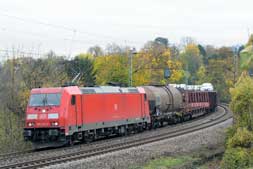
[[167, 54], [246, 58], [141, 78], [201, 74], [148, 68], [192, 49], [242, 102], [111, 69], [242, 138], [250, 41], [84, 55], [192, 60], [177, 72], [23, 97]]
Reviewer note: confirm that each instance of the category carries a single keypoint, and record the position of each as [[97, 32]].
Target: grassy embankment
[[205, 158]]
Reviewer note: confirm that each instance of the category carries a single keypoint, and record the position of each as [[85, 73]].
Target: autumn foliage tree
[[150, 62], [82, 69], [239, 150], [191, 60], [111, 68]]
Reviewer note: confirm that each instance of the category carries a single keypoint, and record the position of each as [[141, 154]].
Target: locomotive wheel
[[70, 141], [161, 124]]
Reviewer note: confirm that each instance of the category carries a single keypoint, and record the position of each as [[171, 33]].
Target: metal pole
[[132, 52], [131, 69], [187, 70]]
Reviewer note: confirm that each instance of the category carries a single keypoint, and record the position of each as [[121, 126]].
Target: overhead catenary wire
[[19, 52], [62, 27], [75, 38], [45, 36]]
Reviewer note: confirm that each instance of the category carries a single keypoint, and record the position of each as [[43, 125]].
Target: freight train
[[66, 115]]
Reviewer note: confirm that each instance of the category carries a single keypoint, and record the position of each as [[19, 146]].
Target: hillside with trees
[[239, 150], [188, 62]]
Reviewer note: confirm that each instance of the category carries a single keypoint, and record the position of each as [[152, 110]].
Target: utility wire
[[19, 52], [81, 41], [66, 28]]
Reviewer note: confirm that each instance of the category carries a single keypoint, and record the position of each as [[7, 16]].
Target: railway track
[[81, 152]]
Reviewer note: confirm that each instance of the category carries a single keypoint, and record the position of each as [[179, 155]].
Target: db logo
[[115, 107], [43, 116]]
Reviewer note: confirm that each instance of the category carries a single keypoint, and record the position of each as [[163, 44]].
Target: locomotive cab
[[45, 116]]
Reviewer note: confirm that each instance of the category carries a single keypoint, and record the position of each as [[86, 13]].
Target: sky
[[70, 27]]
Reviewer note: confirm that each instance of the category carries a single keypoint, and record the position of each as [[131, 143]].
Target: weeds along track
[[61, 155]]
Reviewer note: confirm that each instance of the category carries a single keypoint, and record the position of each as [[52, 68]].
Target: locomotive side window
[[145, 97], [73, 100]]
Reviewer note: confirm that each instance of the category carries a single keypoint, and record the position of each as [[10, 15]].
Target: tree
[[225, 52], [96, 51], [111, 68], [191, 60], [83, 64], [211, 52], [246, 58], [162, 41], [239, 152], [150, 62], [185, 41], [174, 50], [242, 102], [114, 49], [250, 41], [46, 72], [203, 53]]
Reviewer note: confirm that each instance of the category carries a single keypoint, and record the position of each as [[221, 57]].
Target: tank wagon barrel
[[163, 99]]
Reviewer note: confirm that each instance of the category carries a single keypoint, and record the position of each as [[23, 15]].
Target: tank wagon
[[65, 115]]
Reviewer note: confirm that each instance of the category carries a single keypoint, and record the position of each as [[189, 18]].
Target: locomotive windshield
[[45, 99]]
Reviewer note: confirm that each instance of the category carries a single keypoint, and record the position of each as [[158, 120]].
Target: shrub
[[236, 158], [11, 133], [251, 157], [242, 102], [242, 138], [230, 132]]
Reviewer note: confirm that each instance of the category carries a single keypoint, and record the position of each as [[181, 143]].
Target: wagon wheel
[[71, 141]]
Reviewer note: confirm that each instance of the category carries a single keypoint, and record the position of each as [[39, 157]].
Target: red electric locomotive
[[64, 115], [57, 116]]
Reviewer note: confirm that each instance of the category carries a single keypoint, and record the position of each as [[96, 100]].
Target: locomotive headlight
[[30, 124], [55, 123]]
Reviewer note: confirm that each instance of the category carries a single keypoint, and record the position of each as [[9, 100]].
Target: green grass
[[165, 162]]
